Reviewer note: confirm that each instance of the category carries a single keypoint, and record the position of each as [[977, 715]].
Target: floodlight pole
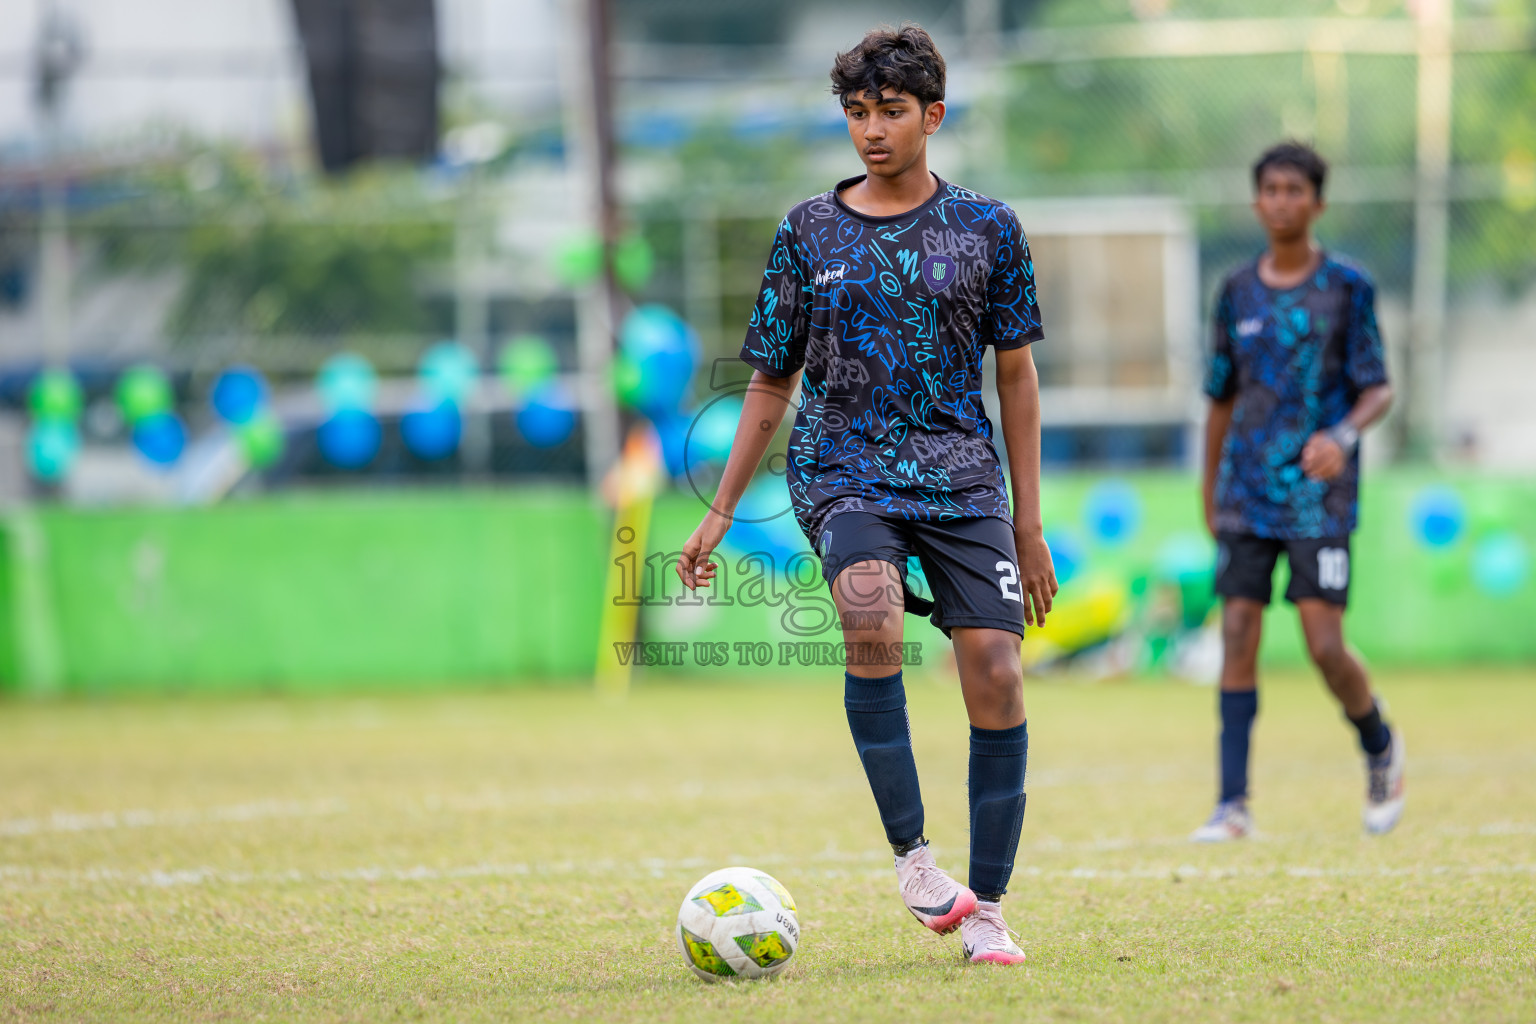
[[1430, 227], [57, 57], [471, 317], [589, 152], [987, 131], [55, 250]]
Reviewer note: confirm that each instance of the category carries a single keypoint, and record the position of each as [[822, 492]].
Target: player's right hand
[[693, 566]]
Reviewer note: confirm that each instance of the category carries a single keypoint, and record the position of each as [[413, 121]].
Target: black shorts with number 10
[[1245, 566], [970, 564]]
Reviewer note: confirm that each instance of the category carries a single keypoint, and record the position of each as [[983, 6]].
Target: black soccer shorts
[[1245, 567], [970, 565]]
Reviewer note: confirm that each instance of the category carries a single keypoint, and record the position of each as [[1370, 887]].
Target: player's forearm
[[1018, 395], [1371, 406], [1216, 425], [762, 410]]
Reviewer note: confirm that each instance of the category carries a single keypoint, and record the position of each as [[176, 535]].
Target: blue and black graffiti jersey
[[1296, 361], [890, 317]]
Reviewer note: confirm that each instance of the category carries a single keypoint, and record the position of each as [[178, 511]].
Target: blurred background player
[[1296, 374], [884, 292]]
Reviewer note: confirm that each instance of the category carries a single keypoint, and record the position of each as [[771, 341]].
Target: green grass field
[[521, 856]]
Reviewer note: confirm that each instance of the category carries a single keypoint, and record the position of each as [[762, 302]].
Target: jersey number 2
[[1010, 577]]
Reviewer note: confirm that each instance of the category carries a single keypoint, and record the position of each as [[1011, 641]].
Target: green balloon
[[626, 379], [143, 391], [56, 395], [261, 440], [579, 260], [527, 362], [633, 261]]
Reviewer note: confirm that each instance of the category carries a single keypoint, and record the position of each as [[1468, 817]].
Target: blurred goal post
[[1118, 280]]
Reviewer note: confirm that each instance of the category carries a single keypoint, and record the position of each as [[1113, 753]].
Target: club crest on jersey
[[939, 271]]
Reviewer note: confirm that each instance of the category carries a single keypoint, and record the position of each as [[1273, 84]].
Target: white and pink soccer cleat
[[1384, 787], [984, 937], [936, 900], [1229, 821]]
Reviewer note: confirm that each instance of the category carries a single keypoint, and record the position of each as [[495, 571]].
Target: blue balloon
[[548, 417], [1113, 511], [690, 438], [433, 432], [764, 522], [347, 381], [1438, 516], [672, 430], [1067, 554], [52, 446], [653, 328], [449, 371], [239, 394], [714, 430], [1500, 564], [350, 438], [665, 351], [160, 438], [1186, 556]]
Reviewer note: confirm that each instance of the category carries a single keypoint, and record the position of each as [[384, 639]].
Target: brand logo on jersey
[[1249, 327], [832, 272], [939, 271]]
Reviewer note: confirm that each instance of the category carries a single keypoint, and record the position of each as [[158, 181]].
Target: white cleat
[[1384, 787], [1229, 821], [936, 900], [985, 938]]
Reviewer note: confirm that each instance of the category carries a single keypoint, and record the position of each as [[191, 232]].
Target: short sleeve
[[1220, 370], [1364, 363], [776, 334], [1012, 319]]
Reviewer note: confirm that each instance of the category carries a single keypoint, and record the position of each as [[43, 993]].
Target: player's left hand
[[1037, 576], [1322, 458]]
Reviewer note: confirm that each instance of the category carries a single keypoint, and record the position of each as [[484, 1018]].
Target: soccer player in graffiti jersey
[[1295, 375], [880, 299]]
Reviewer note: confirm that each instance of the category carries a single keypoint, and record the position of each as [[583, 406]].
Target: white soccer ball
[[737, 923]]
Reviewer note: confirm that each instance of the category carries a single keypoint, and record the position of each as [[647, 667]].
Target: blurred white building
[[233, 69]]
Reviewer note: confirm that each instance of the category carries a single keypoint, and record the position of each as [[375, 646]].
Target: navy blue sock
[[998, 758], [877, 717], [1237, 714], [1374, 736]]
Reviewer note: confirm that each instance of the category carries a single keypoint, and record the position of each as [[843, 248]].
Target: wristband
[[1345, 436]]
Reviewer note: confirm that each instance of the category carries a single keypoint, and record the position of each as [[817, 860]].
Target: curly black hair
[[1293, 153], [903, 59]]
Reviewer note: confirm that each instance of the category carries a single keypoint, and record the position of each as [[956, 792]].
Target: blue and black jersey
[[1295, 361], [890, 318]]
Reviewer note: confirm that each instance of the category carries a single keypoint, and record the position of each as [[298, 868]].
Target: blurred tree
[[266, 256], [1149, 124]]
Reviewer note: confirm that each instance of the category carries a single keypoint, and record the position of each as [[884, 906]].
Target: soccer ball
[[737, 923]]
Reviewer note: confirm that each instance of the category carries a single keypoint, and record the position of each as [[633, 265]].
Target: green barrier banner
[[392, 590]]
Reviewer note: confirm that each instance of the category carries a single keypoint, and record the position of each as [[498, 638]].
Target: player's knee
[[999, 681], [1327, 650], [1240, 625], [1005, 679], [870, 626]]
